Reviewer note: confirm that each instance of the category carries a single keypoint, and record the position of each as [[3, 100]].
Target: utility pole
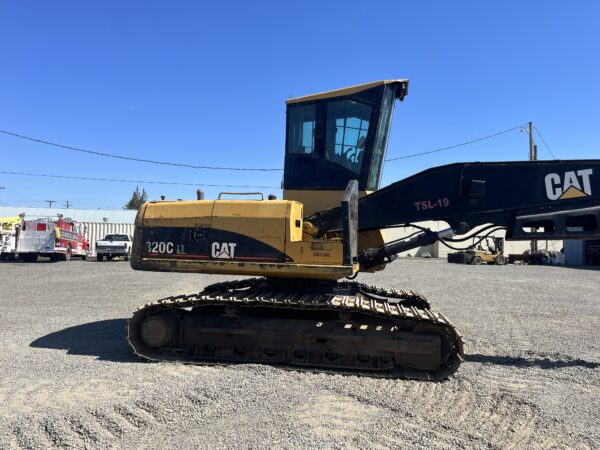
[[67, 203], [532, 157], [531, 144], [50, 202]]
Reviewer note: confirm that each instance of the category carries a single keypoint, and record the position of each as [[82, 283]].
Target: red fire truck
[[58, 238]]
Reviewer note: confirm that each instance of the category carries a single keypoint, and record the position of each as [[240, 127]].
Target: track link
[[342, 327]]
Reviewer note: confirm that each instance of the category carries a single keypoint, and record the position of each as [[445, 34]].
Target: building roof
[[79, 215], [344, 91]]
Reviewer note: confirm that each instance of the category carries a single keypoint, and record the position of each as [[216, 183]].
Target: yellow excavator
[[300, 307]]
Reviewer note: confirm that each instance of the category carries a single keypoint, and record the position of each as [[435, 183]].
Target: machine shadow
[[542, 363], [105, 339]]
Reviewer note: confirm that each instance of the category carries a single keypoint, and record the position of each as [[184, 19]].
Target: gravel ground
[[69, 379]]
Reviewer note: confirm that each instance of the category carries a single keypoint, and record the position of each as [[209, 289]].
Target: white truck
[[113, 245]]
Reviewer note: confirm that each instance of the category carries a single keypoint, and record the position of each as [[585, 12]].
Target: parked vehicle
[[9, 227], [489, 250], [113, 245], [60, 239]]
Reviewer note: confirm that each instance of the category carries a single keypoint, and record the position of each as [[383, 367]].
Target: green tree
[[136, 199]]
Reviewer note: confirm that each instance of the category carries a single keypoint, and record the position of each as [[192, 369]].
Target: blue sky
[[205, 83]]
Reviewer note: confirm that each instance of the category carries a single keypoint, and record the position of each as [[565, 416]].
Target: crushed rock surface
[[68, 379]]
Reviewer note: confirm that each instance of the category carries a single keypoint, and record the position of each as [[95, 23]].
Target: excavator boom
[[561, 199], [530, 200]]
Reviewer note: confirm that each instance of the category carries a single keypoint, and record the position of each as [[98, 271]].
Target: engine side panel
[[233, 237]]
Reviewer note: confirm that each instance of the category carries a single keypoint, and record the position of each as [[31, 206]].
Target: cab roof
[[344, 91]]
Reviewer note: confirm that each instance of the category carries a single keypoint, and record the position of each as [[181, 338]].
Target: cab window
[[301, 130], [381, 139], [347, 129]]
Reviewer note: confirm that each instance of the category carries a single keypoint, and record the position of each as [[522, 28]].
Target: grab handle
[[242, 193]]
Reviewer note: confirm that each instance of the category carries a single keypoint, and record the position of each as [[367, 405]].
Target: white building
[[580, 253]]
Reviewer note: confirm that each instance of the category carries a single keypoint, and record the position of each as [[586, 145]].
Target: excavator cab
[[337, 136]]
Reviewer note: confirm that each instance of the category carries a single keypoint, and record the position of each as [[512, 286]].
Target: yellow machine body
[[235, 237], [315, 200]]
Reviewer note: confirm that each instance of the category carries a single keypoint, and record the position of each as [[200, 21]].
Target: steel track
[[397, 308]]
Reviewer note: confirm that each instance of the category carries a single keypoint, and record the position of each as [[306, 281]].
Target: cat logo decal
[[223, 250], [572, 184]]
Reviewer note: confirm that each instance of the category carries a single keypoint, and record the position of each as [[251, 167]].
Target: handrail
[[262, 197]]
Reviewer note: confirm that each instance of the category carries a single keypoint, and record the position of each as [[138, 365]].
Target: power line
[[135, 181], [24, 201], [166, 163], [71, 204], [453, 146], [95, 205], [544, 141], [131, 158]]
